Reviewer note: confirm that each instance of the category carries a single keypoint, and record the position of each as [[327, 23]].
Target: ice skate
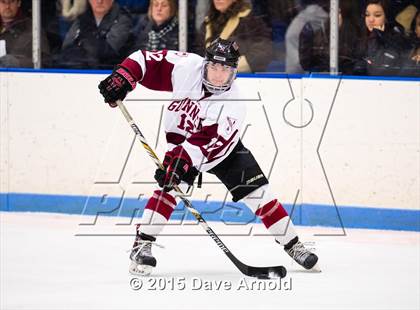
[[302, 256], [142, 259]]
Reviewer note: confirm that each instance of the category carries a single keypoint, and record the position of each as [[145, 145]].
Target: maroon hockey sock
[[162, 203], [271, 213]]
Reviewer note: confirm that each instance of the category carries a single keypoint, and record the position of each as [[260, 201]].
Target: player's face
[[374, 17], [9, 9], [101, 7], [417, 28], [218, 74], [161, 11], [222, 5]]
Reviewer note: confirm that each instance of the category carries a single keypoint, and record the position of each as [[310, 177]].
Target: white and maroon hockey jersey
[[207, 127]]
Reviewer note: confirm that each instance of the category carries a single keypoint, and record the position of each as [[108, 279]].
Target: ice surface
[[44, 265]]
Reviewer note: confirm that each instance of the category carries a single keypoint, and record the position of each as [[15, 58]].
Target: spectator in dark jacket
[[160, 30], [234, 20], [98, 38], [316, 13], [16, 36], [382, 46], [314, 42]]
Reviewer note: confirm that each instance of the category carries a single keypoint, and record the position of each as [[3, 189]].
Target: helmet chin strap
[[215, 90]]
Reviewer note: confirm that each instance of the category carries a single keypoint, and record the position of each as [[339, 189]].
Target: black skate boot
[[301, 255], [142, 259]]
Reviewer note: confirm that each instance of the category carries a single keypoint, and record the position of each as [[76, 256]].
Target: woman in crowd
[[383, 45], [160, 30], [233, 20]]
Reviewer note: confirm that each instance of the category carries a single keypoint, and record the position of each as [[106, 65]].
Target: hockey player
[[202, 126]]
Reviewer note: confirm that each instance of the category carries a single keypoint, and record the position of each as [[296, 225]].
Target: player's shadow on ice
[[300, 270], [199, 274]]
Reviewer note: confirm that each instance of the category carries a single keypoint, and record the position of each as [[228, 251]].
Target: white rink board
[[44, 265], [58, 137]]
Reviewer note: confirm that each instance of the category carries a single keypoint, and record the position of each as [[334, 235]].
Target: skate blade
[[140, 270], [315, 269]]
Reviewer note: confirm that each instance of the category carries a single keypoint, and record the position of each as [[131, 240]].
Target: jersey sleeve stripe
[[136, 62]]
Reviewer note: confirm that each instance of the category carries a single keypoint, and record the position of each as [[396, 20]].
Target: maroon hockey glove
[[179, 164], [117, 85]]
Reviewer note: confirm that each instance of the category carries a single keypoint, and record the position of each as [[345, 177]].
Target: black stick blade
[[266, 272]]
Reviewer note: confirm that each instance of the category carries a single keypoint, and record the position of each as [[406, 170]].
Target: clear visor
[[218, 77]]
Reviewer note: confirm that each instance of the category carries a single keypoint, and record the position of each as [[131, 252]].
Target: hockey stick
[[260, 272]]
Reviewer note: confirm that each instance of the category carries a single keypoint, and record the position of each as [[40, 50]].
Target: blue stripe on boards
[[306, 214]]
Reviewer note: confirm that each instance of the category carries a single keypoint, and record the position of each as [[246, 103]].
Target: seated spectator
[[233, 20], [314, 42], [412, 60], [160, 30], [382, 45], [315, 12], [98, 38], [16, 36]]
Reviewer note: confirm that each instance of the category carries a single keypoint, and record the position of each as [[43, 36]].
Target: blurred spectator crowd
[[376, 37]]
